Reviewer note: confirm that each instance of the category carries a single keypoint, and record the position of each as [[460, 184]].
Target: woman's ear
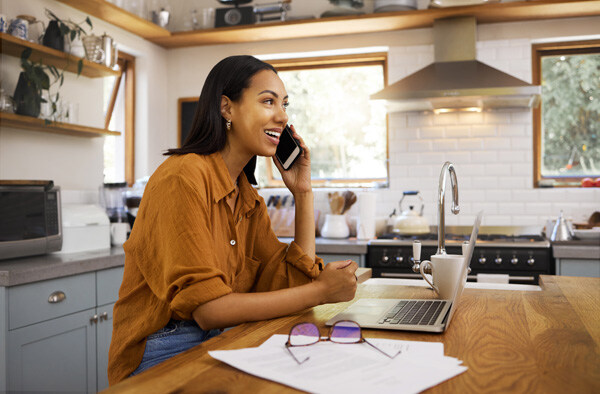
[[226, 107]]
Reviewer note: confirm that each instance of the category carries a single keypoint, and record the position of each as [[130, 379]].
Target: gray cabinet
[[329, 257], [58, 333]]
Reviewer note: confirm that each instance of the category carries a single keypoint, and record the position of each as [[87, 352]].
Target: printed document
[[347, 368]]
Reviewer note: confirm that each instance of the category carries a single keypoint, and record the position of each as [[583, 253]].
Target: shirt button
[[232, 242]]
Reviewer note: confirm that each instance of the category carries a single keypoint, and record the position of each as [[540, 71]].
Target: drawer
[[31, 303], [108, 283]]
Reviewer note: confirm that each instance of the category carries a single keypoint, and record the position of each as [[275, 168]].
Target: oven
[[523, 257]]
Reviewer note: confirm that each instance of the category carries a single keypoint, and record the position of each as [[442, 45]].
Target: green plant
[[69, 28]]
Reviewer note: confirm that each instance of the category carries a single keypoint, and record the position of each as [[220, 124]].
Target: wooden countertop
[[512, 341]]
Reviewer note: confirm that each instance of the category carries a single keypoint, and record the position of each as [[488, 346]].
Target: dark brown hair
[[208, 134]]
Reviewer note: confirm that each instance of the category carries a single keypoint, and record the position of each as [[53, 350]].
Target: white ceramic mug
[[118, 233], [335, 226], [445, 270]]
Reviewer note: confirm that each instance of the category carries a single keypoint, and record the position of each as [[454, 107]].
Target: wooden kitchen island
[[512, 341]]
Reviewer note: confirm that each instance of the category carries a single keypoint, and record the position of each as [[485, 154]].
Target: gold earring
[[228, 124]]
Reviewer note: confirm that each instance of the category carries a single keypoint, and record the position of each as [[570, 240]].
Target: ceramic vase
[[26, 98], [335, 226], [53, 37]]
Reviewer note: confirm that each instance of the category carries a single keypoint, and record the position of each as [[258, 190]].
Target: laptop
[[432, 315]]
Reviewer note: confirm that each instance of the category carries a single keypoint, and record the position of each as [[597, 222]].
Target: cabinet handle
[[94, 319], [104, 316], [56, 297]]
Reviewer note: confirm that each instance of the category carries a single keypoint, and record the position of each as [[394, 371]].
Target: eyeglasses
[[343, 331]]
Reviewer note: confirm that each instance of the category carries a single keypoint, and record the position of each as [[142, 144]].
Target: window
[[119, 109], [567, 124], [330, 107]]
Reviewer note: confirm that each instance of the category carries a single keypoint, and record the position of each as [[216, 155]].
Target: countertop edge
[[576, 252]]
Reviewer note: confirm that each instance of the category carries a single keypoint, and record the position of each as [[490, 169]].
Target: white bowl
[[593, 233]]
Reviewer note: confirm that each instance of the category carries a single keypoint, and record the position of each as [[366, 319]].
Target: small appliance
[[30, 218], [234, 16], [85, 228]]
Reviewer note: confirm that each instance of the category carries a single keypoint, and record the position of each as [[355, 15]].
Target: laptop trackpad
[[365, 311]]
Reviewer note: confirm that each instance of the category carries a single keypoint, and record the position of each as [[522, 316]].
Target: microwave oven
[[30, 218]]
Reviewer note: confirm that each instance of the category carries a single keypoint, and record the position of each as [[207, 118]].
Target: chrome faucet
[[447, 168]]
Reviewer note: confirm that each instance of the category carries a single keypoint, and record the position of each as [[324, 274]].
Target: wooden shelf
[[37, 124], [14, 46], [118, 17], [369, 23]]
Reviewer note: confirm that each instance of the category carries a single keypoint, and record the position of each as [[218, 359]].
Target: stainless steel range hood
[[456, 81]]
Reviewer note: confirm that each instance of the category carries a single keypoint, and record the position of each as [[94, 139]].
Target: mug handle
[[424, 275]]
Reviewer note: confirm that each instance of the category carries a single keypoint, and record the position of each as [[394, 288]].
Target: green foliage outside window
[[571, 115]]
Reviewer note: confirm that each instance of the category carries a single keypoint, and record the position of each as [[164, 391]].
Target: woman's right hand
[[338, 281]]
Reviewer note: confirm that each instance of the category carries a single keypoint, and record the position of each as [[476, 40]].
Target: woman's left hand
[[297, 177]]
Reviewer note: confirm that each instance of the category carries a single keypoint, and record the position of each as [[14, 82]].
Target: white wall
[[76, 163], [492, 152]]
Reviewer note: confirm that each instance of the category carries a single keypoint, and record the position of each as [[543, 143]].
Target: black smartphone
[[288, 149]]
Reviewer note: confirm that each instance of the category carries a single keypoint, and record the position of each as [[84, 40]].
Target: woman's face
[[258, 117]]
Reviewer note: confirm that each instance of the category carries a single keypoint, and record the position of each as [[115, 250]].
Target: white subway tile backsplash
[[538, 208], [432, 158], [470, 144], [553, 195], [459, 158], [525, 195], [511, 182], [420, 171], [497, 143], [432, 132], [525, 220], [521, 169], [444, 145], [484, 157], [458, 131], [511, 208], [419, 146], [494, 117], [521, 143], [420, 120], [472, 170], [404, 158], [511, 52], [488, 208], [483, 130], [470, 195], [510, 130], [513, 157], [497, 195], [469, 118], [523, 117], [499, 220], [445, 119]]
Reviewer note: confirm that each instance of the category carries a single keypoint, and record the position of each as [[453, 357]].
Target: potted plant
[[32, 81], [59, 29]]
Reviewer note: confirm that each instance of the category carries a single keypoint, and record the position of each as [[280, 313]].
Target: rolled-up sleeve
[[282, 265]]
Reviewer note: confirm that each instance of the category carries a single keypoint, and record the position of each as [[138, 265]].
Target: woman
[[202, 255]]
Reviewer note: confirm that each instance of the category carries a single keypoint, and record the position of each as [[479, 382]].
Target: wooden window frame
[[552, 49], [126, 64], [353, 60]]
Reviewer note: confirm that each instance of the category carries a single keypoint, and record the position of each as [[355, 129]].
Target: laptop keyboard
[[422, 312]]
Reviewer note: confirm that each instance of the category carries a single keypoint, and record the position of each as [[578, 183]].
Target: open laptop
[[431, 315]]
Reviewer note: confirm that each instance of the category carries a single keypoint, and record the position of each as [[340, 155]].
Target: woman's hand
[[338, 281], [297, 177]]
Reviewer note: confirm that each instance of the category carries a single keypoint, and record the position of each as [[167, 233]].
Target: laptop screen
[[465, 268]]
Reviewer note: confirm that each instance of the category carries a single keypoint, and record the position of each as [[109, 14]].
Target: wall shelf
[[14, 46], [118, 17], [37, 124], [368, 23]]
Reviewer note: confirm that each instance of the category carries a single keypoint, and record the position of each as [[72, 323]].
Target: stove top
[[491, 240]]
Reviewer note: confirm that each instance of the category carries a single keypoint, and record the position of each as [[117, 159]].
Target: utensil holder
[[335, 226]]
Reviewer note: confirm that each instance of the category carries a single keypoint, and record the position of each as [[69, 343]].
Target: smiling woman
[[202, 254]]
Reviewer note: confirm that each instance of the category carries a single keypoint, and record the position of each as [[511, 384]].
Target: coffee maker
[[234, 16]]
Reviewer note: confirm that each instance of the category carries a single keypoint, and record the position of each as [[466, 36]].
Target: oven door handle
[[529, 279]]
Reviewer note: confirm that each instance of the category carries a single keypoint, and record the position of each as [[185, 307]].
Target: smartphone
[[288, 149]]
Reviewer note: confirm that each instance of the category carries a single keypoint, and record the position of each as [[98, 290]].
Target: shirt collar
[[223, 186]]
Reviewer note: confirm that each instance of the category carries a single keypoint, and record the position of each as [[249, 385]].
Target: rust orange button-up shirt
[[187, 248]]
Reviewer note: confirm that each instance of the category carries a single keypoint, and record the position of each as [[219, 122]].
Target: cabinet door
[[104, 332], [328, 258], [56, 355]]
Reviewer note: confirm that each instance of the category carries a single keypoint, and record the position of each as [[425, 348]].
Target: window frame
[[126, 64], [321, 62], [553, 49]]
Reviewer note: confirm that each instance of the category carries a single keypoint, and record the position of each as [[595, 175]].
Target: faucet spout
[[448, 168]]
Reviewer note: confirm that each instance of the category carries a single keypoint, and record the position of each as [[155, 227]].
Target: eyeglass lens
[[345, 332], [304, 334]]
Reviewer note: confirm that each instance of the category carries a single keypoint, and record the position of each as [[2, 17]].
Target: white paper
[[347, 368]]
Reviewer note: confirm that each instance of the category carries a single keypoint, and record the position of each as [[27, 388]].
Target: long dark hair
[[208, 134]]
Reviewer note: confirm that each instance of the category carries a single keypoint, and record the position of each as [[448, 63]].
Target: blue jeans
[[174, 338]]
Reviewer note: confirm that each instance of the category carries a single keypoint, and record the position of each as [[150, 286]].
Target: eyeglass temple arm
[[294, 357], [381, 351]]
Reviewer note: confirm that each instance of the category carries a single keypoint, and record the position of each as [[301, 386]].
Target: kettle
[[409, 222], [562, 231]]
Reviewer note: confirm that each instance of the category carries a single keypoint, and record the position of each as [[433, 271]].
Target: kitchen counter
[[336, 246], [576, 249], [37, 268], [511, 341]]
